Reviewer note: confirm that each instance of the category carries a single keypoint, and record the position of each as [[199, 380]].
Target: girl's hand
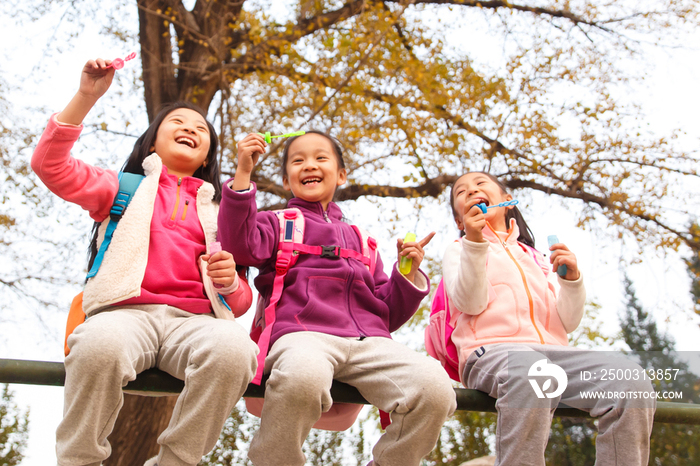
[[221, 268], [474, 221], [413, 250], [249, 150], [95, 79], [562, 256]]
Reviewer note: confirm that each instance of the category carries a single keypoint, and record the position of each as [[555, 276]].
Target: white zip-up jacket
[[505, 292]]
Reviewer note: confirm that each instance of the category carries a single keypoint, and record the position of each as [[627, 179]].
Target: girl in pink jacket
[[514, 314], [154, 299]]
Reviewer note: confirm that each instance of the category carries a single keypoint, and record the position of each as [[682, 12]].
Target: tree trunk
[[159, 82], [138, 426]]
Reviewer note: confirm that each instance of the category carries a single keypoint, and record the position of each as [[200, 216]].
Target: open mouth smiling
[[482, 200], [311, 180], [186, 141]]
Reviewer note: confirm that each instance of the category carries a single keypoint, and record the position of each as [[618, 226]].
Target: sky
[[670, 97]]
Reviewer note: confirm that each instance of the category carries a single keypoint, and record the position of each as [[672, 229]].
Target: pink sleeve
[[240, 300], [71, 179]]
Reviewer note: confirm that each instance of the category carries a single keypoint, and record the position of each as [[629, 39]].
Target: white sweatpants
[[216, 358], [413, 388]]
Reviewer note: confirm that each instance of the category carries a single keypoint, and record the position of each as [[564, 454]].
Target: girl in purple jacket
[[334, 318]]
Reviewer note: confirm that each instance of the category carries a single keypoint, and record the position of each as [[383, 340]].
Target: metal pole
[[156, 383]]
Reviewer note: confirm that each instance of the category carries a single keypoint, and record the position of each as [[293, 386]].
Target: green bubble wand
[[268, 137]]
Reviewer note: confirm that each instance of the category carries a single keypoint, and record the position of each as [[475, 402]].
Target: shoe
[[151, 462]]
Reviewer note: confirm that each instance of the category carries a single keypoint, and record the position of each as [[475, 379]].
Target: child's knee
[[306, 383], [231, 342], [436, 392], [95, 346], [441, 397], [228, 352], [637, 394]]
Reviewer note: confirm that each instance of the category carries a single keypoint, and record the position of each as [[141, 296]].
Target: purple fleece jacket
[[333, 296]]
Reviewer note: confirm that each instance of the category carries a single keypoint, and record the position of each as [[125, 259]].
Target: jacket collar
[[510, 237], [333, 212], [153, 165]]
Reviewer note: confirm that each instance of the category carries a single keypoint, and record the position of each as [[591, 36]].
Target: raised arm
[[251, 236], [75, 181], [95, 79]]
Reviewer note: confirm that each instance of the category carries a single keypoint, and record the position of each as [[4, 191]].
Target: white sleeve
[[570, 303], [464, 274]]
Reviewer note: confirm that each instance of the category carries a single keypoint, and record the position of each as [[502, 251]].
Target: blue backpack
[[128, 184]]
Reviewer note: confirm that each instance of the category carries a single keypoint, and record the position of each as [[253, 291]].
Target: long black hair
[[142, 149], [526, 236]]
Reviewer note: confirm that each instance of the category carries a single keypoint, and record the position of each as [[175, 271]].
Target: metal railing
[[154, 382]]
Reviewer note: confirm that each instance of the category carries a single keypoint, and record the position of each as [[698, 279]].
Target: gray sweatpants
[[216, 359], [413, 388], [624, 425]]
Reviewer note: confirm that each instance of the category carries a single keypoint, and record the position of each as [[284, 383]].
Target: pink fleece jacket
[[505, 295], [176, 241]]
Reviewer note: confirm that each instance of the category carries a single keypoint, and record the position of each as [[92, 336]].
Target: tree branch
[[604, 203], [254, 58], [538, 11]]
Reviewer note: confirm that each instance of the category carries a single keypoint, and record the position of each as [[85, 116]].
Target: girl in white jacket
[[511, 334]]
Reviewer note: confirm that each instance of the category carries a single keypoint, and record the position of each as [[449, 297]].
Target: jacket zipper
[[522, 275], [350, 283], [184, 211], [177, 198]]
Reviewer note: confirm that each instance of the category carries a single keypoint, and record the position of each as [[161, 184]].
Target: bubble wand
[[552, 240], [484, 207], [268, 137], [118, 63], [406, 262]]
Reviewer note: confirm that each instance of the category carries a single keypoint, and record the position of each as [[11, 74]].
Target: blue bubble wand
[[484, 207]]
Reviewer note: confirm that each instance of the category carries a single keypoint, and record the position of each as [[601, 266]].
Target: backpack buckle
[[282, 265], [121, 200], [331, 252], [116, 212]]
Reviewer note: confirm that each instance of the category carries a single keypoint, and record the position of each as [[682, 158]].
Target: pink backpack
[[341, 415], [438, 333]]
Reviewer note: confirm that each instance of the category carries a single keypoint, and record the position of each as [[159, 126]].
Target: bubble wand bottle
[[406, 262]]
